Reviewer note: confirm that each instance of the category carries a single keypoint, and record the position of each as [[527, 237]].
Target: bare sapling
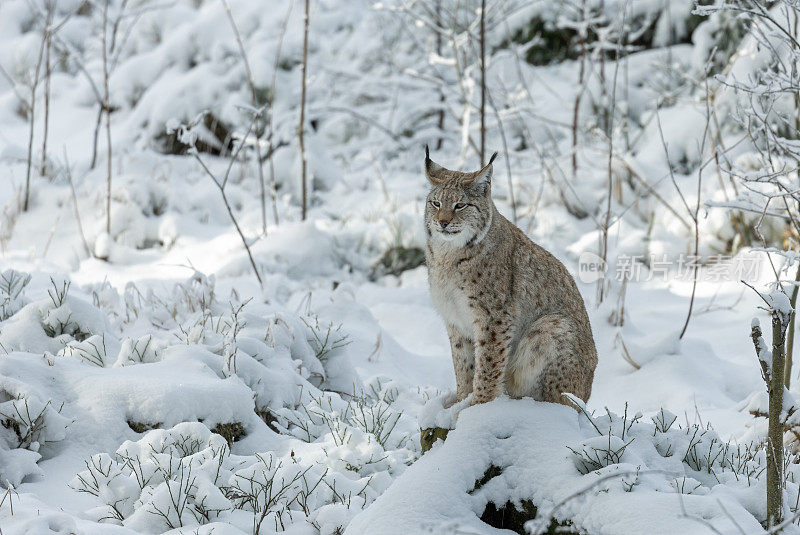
[[50, 8], [109, 42], [772, 365], [483, 83], [34, 85], [259, 130], [695, 214], [49, 30], [768, 112], [271, 146], [109, 59], [486, 97], [787, 376], [107, 111], [466, 89], [692, 211], [187, 137], [598, 52], [68, 171], [582, 37], [300, 127], [612, 104], [511, 198], [787, 371], [440, 113]]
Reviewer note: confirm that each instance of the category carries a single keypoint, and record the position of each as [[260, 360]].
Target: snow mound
[[196, 413], [186, 476], [28, 421], [603, 475]]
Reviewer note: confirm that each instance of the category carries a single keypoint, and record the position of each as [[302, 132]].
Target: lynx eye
[[436, 204], [459, 206]]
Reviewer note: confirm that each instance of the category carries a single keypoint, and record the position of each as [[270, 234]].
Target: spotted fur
[[516, 321]]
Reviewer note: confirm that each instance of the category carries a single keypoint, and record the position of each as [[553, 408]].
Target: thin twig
[[273, 189], [32, 117], [75, 204], [256, 104], [107, 109], [221, 187], [301, 126], [483, 83]]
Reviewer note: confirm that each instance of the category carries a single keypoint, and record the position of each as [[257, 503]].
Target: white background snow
[[114, 372]]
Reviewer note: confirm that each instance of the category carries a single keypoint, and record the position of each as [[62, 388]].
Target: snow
[[149, 384], [442, 411], [529, 440]]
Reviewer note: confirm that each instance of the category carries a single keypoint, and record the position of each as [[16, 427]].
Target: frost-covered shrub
[[324, 338], [240, 364], [370, 413], [12, 285], [92, 350], [186, 476], [57, 320], [49, 324], [30, 422], [27, 422], [213, 136], [269, 350], [720, 33], [181, 307], [598, 452], [139, 350], [552, 33], [216, 370], [697, 451], [282, 491], [167, 479]]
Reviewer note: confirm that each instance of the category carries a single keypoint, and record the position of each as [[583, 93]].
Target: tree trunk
[[483, 82], [107, 109], [440, 122], [576, 106], [32, 110], [775, 433], [43, 167], [304, 181]]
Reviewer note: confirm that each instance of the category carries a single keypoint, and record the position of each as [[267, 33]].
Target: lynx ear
[[432, 169], [481, 180]]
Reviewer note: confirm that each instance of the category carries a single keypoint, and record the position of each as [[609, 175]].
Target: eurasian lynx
[[516, 321]]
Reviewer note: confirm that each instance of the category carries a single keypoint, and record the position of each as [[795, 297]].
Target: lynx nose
[[443, 223]]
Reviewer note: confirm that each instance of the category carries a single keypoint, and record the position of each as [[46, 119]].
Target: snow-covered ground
[[148, 383]]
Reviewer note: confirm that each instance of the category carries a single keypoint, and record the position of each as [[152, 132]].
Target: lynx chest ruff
[[451, 301]]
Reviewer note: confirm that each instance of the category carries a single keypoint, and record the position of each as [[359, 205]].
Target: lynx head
[[459, 207]]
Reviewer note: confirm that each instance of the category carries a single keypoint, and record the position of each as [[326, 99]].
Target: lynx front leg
[[491, 355], [463, 352]]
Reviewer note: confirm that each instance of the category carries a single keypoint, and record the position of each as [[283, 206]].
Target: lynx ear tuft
[[482, 179], [432, 169]]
